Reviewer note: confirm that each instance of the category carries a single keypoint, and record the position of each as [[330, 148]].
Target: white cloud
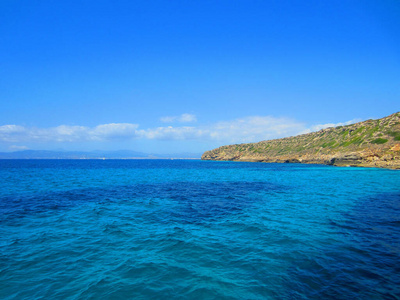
[[62, 133], [16, 148], [243, 130], [11, 128], [113, 131], [255, 128], [248, 129], [65, 133], [11, 133], [168, 119], [172, 133], [187, 118], [184, 118], [323, 126]]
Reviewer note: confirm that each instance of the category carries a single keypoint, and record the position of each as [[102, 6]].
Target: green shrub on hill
[[379, 141]]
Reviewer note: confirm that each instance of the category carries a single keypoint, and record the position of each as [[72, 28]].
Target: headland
[[371, 143]]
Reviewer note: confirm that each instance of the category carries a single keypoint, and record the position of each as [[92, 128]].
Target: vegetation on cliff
[[372, 143]]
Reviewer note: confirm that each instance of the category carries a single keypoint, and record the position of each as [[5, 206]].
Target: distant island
[[372, 143], [97, 154]]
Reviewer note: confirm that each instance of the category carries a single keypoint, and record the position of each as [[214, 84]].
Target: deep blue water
[[181, 229]]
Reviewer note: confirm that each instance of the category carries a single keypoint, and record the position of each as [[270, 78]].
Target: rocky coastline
[[372, 143]]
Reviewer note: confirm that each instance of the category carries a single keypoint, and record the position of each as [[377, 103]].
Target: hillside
[[372, 143]]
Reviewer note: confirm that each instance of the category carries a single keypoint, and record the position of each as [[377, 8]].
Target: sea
[[192, 229]]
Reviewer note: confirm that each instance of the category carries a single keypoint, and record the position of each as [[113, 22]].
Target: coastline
[[337, 163], [371, 143]]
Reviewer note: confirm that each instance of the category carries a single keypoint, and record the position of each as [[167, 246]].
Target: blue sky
[[188, 76]]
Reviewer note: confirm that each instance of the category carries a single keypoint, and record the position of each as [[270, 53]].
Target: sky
[[188, 76]]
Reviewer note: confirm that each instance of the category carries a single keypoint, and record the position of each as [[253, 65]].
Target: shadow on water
[[184, 201], [362, 262], [145, 164]]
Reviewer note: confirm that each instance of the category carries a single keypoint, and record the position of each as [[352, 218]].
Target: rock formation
[[372, 143]]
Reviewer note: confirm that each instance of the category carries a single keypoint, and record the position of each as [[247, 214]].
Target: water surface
[[187, 229]]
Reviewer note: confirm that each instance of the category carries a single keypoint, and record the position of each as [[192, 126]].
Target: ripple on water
[[246, 231]]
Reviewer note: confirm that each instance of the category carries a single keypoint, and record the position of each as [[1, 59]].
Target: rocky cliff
[[372, 143]]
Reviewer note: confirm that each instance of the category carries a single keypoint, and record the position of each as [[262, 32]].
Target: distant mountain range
[[119, 154], [372, 143]]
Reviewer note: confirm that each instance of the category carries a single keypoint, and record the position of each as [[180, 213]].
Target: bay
[[190, 229]]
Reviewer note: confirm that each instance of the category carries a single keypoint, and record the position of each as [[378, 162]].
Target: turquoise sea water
[[187, 229]]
